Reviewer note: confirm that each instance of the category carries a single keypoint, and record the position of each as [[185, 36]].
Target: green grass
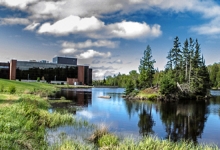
[[111, 142], [147, 96], [6, 99], [23, 125], [24, 115], [154, 143], [72, 145], [108, 140], [26, 87]]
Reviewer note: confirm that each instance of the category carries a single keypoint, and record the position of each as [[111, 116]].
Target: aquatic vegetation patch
[[108, 140]]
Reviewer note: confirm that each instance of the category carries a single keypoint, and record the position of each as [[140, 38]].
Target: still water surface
[[198, 121]]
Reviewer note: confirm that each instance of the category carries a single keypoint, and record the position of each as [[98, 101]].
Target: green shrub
[[108, 140], [129, 87], [12, 89], [167, 84], [2, 88]]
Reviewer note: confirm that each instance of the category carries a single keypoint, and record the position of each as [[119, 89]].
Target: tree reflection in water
[[146, 121], [216, 103], [184, 121], [144, 111]]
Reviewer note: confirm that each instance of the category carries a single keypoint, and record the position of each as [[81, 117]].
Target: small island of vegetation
[[185, 75]]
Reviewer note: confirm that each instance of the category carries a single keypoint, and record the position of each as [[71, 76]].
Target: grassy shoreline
[[24, 118], [24, 115]]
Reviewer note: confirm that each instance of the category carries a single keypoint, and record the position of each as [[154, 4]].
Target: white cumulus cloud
[[92, 53], [130, 30], [95, 28], [21, 4], [71, 24]]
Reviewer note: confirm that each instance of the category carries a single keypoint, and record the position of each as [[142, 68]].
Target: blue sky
[[108, 35]]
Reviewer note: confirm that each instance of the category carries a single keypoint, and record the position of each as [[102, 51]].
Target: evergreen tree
[[191, 46], [146, 69], [169, 65], [186, 59], [200, 80], [176, 57], [129, 87], [167, 83], [196, 61]]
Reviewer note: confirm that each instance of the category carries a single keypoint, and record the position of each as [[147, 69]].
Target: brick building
[[62, 68]]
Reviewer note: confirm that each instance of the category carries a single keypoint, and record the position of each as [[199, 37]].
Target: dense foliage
[[214, 71]]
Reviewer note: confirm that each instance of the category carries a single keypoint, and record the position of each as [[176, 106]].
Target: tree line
[[185, 69], [214, 71]]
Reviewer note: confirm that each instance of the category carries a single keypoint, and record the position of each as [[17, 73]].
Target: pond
[[196, 121]]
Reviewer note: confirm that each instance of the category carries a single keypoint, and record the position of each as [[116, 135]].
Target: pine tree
[[186, 59], [196, 61], [191, 54], [146, 69], [199, 77], [176, 57], [169, 65]]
